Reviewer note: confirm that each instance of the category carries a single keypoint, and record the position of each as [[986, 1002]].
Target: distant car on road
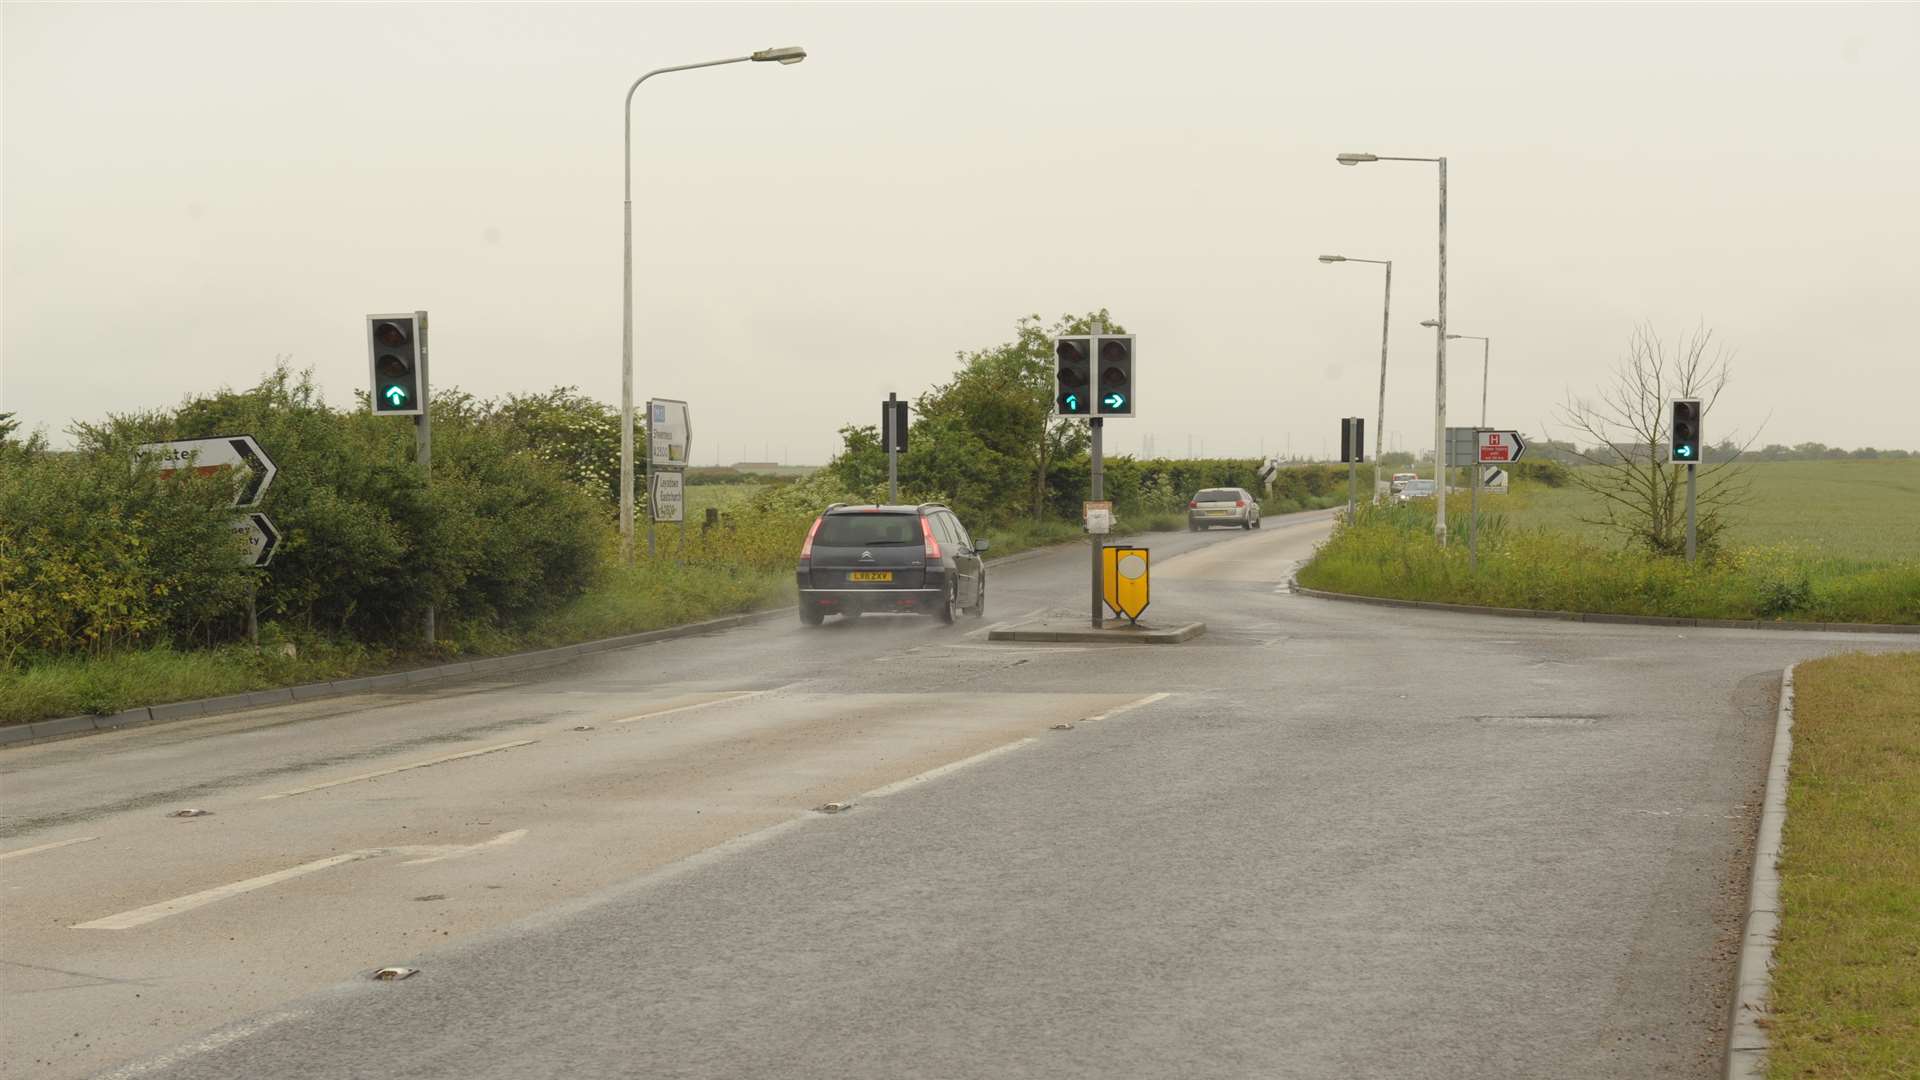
[[1222, 506], [1400, 480], [890, 558], [1414, 489]]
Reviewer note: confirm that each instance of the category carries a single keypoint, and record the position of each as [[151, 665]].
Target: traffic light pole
[[1095, 426], [423, 440], [893, 455], [1690, 468]]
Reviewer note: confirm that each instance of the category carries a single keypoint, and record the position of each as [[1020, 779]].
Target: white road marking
[[741, 695], [1128, 707], [5, 855], [399, 769], [952, 766], [206, 1045], [127, 920], [985, 630], [461, 851], [141, 916]]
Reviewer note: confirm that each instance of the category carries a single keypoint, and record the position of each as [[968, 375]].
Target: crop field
[[1848, 509]]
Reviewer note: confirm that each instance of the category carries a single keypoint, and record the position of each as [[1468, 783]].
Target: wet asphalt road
[[1323, 840]]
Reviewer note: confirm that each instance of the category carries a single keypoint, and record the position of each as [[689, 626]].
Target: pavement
[[1325, 839]]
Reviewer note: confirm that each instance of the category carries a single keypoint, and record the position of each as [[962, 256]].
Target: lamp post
[[791, 54], [1440, 348], [1386, 308], [1486, 346]]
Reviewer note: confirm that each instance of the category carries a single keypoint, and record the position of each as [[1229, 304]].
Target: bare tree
[[1642, 498]]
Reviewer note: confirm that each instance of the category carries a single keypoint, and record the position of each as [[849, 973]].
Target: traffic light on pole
[[393, 356], [1686, 441], [1073, 376], [1115, 396]]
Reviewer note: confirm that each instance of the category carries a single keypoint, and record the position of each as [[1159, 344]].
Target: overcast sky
[[191, 192]]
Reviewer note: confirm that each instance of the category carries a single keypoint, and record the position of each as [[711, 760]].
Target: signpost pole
[[422, 453], [1473, 510], [1094, 425], [893, 455], [1690, 467], [650, 506], [253, 615]]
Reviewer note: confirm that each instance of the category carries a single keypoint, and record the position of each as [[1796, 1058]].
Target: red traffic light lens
[[390, 334]]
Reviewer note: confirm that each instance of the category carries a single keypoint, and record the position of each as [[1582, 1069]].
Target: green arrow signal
[[1113, 401], [1073, 402], [395, 395]]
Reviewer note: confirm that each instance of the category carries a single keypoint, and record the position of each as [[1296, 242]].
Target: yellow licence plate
[[870, 575]]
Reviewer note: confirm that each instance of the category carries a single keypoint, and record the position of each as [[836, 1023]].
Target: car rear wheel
[[811, 616], [947, 607]]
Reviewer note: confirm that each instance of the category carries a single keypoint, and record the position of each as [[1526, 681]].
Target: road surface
[[1325, 839]]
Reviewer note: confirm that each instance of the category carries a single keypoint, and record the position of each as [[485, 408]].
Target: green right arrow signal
[[1113, 401]]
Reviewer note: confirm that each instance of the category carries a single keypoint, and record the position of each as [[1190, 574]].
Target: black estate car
[[890, 558]]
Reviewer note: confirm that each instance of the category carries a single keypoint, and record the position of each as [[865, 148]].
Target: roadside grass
[[1388, 551], [746, 565], [1846, 979], [1849, 509]]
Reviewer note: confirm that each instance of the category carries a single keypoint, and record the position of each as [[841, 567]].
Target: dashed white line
[[152, 912], [399, 769], [1128, 707], [205, 1045], [741, 695], [5, 855], [952, 766]]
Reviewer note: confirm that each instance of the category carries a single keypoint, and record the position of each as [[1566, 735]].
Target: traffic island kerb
[[1114, 631]]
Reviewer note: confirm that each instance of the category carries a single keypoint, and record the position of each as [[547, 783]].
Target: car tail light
[[933, 546], [1192, 505], [1239, 502], [806, 549]]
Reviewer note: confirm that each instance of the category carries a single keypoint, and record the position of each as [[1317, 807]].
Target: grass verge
[[627, 600], [1846, 980], [1389, 552]]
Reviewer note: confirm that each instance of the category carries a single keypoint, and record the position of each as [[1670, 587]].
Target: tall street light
[[1386, 308], [791, 54], [1486, 346], [1440, 349]]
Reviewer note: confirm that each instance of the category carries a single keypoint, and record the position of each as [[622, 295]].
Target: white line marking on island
[[1128, 707], [152, 912], [952, 766], [740, 695], [399, 769], [5, 855]]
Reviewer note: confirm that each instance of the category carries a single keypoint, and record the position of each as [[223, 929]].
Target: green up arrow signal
[[1073, 402], [1113, 401], [395, 395]]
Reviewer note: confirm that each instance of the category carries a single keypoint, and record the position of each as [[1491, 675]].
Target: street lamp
[[1440, 348], [1386, 306], [790, 54], [1486, 346]]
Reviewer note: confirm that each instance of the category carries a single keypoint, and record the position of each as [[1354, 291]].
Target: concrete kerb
[[69, 726], [1753, 975], [1604, 617]]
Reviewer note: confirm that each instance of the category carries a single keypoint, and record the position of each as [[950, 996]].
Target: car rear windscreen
[[868, 530], [1217, 495]]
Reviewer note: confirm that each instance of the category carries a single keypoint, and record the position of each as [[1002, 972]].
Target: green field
[[1855, 509]]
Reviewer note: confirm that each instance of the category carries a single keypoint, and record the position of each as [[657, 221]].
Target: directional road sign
[[262, 538], [209, 456], [1500, 447], [665, 496], [669, 434]]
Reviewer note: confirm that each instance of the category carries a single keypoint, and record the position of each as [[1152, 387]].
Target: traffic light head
[[1686, 442], [1115, 389], [1073, 376], [393, 354]]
